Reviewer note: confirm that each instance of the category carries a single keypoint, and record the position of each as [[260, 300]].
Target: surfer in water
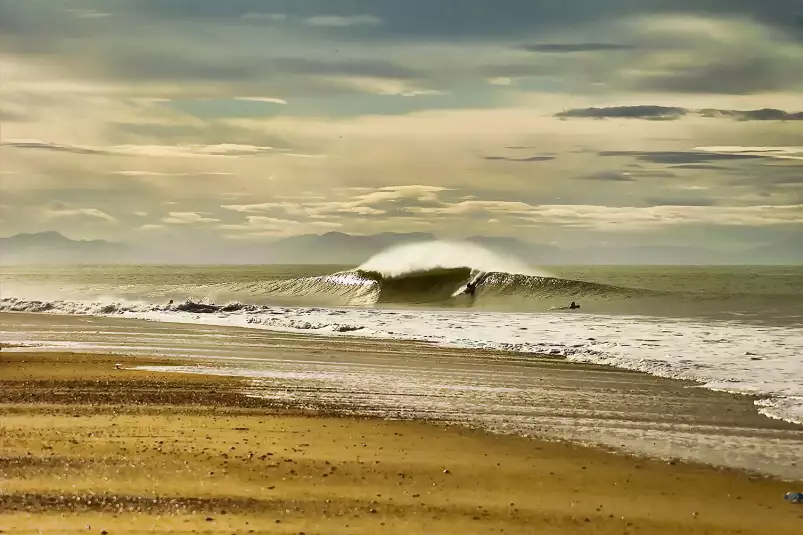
[[471, 289], [573, 306]]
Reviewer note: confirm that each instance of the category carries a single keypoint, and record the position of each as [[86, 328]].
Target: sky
[[567, 122]]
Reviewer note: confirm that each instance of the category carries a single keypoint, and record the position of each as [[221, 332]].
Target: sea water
[[731, 328]]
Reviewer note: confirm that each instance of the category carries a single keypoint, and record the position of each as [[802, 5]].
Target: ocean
[[738, 329]]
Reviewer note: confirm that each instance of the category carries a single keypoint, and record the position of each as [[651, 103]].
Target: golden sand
[[87, 448]]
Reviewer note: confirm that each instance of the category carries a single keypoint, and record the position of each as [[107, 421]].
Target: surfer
[[471, 289], [573, 306], [471, 292]]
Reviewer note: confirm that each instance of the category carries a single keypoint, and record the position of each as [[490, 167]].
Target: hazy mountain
[[790, 252], [345, 249], [771, 254], [55, 248]]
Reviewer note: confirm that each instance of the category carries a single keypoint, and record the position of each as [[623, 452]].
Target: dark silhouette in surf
[[471, 289], [471, 292], [573, 306]]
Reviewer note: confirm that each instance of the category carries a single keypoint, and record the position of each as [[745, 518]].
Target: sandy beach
[[87, 447]]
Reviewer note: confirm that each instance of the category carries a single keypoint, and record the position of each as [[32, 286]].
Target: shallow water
[[498, 391], [732, 328]]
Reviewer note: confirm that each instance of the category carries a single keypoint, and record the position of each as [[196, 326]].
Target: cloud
[[682, 157], [538, 158], [652, 112], [571, 48], [150, 227], [372, 203], [386, 86], [225, 150], [652, 173], [680, 201], [366, 67], [88, 13], [54, 147], [701, 167], [704, 54], [420, 19], [334, 21], [788, 180], [267, 100], [11, 113], [177, 65], [626, 112], [781, 153], [477, 208], [304, 156], [185, 43], [156, 173], [187, 218], [59, 210], [731, 76], [373, 99], [764, 114], [632, 218], [501, 81], [276, 17], [283, 206], [261, 226], [609, 176]]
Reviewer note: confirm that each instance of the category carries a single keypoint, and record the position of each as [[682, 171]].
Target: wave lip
[[426, 256]]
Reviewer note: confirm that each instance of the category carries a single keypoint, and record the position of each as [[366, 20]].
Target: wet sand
[[87, 447], [511, 393]]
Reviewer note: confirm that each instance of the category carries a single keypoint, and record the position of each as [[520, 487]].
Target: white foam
[[725, 355], [348, 279]]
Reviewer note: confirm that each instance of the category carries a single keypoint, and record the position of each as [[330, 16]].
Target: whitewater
[[407, 294]]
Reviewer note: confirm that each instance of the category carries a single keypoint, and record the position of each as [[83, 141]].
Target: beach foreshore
[[87, 446]]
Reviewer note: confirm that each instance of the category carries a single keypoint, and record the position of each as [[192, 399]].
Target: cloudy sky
[[575, 122]]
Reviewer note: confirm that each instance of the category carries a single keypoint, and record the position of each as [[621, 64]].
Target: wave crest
[[426, 256]]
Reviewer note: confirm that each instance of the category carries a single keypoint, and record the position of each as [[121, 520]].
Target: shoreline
[[181, 449], [505, 393], [740, 357]]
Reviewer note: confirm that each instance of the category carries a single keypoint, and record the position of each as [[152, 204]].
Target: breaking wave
[[437, 287], [428, 275]]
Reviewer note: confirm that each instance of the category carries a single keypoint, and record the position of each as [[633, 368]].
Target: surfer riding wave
[[470, 288]]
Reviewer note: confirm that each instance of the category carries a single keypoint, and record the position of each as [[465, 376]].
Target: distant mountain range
[[55, 248], [345, 249]]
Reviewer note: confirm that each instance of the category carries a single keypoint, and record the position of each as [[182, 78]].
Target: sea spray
[[425, 256]]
